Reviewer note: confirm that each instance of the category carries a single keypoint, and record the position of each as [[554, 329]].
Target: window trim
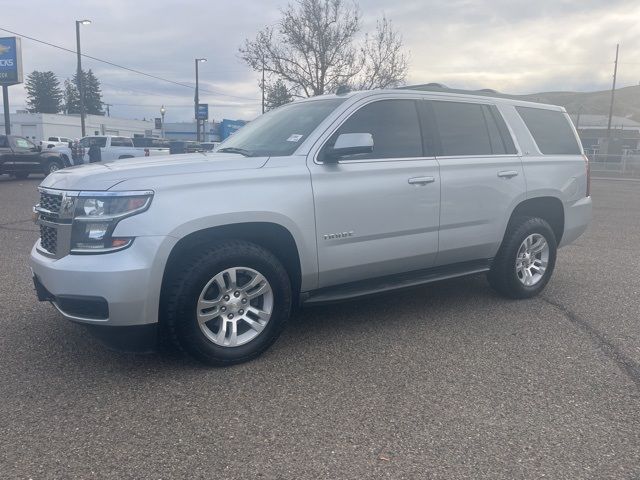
[[350, 111]]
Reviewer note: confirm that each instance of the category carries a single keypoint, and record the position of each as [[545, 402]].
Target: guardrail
[[614, 165]]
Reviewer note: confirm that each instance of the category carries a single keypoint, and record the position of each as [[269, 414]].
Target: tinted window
[[551, 131], [392, 123], [88, 141], [53, 139], [3, 142], [121, 142], [462, 128]]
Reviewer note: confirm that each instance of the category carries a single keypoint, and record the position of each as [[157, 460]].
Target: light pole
[[162, 112], [79, 73], [196, 99]]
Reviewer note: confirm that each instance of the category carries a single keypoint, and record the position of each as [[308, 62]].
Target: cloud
[[512, 46]]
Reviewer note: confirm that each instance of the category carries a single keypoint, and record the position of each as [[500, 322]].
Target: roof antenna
[[343, 90]]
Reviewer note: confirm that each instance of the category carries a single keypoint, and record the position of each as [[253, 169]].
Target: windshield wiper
[[241, 151]]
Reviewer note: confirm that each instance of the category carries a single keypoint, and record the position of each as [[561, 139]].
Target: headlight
[[96, 216]]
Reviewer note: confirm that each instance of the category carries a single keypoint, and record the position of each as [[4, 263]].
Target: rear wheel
[[228, 304], [526, 259]]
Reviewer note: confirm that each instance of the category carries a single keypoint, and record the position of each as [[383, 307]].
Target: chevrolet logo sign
[[4, 49]]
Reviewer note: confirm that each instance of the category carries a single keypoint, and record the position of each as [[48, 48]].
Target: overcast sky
[[509, 45]]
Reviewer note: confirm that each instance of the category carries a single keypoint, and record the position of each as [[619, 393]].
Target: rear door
[[481, 175], [377, 214]]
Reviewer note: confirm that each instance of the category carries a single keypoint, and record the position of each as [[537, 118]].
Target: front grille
[[50, 202], [49, 239]]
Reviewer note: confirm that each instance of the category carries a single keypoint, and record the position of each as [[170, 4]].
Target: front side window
[[281, 131], [551, 130], [121, 142], [24, 143], [394, 126]]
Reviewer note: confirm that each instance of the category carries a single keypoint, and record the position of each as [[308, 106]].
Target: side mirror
[[349, 144]]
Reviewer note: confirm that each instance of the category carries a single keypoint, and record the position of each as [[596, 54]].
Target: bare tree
[[385, 64], [314, 49]]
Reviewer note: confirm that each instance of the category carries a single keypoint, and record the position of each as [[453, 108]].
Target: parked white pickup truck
[[111, 148], [52, 142]]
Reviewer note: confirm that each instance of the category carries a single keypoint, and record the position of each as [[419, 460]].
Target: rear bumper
[[577, 217]]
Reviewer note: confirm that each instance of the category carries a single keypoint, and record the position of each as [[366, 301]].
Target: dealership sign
[[10, 61], [202, 112]]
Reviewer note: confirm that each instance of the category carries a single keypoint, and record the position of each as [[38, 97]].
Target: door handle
[[507, 173], [421, 180]]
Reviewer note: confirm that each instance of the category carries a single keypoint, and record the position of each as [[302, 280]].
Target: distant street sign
[[10, 61], [202, 113], [158, 122]]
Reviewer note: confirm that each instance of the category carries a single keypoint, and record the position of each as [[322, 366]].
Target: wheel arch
[[272, 236], [548, 208]]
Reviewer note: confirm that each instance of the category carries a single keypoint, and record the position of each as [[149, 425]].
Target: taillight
[[588, 167]]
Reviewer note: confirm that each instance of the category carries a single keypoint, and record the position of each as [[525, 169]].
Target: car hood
[[105, 175]]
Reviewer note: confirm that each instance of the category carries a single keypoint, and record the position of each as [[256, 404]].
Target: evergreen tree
[[92, 93], [71, 97], [277, 94], [43, 92]]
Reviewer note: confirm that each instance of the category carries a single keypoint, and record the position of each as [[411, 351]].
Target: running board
[[347, 291]]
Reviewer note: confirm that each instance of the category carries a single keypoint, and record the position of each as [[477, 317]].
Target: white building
[[39, 126]]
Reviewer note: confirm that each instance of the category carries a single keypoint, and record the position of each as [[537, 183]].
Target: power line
[[133, 70]]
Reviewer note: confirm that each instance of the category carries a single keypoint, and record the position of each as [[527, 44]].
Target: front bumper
[[116, 289]]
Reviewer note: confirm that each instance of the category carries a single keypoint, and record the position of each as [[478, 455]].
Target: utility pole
[[5, 103], [196, 99], [613, 93], [79, 74], [108, 105]]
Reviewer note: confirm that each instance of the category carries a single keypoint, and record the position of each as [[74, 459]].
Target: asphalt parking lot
[[446, 381]]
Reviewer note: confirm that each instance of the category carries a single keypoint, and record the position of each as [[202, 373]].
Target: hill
[[627, 100]]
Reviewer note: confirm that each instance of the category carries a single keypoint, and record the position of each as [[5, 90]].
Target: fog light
[[96, 231]]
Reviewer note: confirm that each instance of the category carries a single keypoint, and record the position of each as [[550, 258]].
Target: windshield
[[280, 132]]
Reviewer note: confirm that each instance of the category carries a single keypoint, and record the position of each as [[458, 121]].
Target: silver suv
[[321, 200]]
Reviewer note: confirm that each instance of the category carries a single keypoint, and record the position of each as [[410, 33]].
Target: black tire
[[183, 288], [503, 276], [20, 175], [54, 166]]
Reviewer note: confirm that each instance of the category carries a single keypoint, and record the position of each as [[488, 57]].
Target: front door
[[26, 157], [377, 214]]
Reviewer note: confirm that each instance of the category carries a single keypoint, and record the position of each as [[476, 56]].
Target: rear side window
[[467, 129], [551, 131], [394, 126]]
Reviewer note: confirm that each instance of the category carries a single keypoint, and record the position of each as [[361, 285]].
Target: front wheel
[[526, 259], [228, 304], [53, 166], [20, 175]]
